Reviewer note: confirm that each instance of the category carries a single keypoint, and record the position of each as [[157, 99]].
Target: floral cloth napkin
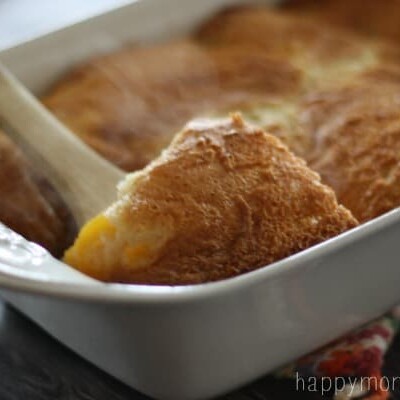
[[351, 366]]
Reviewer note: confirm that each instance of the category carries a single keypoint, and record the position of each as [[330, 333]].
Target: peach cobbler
[[294, 138]]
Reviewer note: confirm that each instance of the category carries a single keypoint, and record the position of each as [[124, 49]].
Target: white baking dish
[[191, 342]]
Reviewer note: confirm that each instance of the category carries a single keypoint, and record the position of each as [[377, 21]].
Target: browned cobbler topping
[[225, 198], [356, 144], [128, 105]]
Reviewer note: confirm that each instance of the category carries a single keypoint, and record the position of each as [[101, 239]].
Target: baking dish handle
[[24, 260]]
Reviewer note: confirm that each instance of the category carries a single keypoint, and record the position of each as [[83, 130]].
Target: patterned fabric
[[356, 358]]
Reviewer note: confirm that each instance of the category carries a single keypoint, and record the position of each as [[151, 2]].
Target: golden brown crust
[[128, 105], [356, 144], [224, 199], [29, 205]]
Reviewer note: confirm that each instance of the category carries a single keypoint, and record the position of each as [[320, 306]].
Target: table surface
[[33, 365]]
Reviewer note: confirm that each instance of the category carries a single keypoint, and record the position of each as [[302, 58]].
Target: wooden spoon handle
[[86, 180]]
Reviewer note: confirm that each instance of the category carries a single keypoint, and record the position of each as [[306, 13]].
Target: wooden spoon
[[86, 181]]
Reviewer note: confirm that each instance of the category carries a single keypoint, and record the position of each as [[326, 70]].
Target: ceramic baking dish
[[192, 342]]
